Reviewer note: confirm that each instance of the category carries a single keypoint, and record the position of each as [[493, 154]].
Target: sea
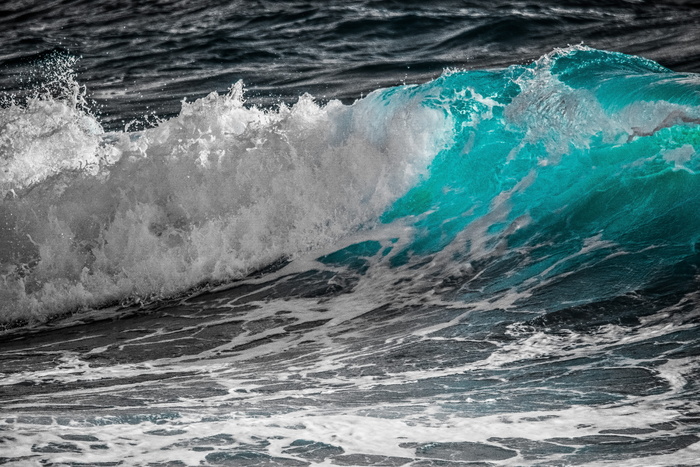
[[350, 233]]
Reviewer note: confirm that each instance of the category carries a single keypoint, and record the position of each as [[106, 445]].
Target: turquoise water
[[583, 159]]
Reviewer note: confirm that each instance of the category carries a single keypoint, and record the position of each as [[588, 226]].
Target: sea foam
[[92, 218]]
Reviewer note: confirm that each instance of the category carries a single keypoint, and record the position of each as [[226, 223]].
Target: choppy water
[[145, 57], [411, 235]]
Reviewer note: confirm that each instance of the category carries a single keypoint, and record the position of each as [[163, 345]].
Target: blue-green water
[[581, 165]]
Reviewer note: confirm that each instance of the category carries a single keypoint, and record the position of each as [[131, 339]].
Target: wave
[[576, 173], [572, 179], [92, 218]]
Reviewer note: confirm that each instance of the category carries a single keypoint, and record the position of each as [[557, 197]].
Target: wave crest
[[219, 190]]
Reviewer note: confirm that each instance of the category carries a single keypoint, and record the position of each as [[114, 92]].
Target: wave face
[[568, 180], [572, 179]]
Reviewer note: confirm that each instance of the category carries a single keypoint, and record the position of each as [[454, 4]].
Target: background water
[[141, 58], [413, 234]]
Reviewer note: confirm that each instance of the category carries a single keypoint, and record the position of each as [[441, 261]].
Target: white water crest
[[92, 218]]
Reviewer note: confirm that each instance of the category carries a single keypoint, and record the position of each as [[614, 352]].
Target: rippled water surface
[[142, 57], [349, 233]]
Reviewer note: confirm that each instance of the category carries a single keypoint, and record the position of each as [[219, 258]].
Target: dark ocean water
[[142, 57], [352, 233]]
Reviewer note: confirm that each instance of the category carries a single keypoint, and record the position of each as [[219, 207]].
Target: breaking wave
[[577, 173]]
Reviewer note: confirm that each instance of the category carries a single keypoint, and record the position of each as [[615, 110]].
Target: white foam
[[42, 139], [218, 191]]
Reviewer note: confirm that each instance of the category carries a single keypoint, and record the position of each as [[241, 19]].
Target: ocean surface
[[349, 233]]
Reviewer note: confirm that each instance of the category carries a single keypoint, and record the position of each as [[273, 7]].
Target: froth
[[223, 188]]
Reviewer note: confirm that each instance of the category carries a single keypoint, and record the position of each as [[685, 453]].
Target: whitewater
[[211, 195], [491, 265]]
